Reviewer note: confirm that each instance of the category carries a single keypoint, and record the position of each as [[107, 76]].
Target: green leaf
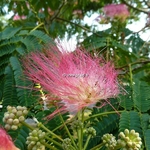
[[10, 93], [41, 35], [23, 93], [107, 124], [147, 139], [130, 120], [9, 32], [141, 95]]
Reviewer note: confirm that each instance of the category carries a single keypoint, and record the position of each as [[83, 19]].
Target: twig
[[136, 8], [82, 27]]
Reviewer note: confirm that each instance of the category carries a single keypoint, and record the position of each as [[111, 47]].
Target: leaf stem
[[87, 141], [50, 132], [102, 114], [68, 132]]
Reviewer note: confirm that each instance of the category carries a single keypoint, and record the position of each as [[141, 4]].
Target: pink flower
[[116, 11], [17, 17], [6, 141], [76, 78]]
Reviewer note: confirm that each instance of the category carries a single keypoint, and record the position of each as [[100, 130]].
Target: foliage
[[40, 23]]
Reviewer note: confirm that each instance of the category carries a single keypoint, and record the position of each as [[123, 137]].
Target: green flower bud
[[19, 108], [130, 139], [14, 110], [6, 115], [14, 127], [19, 113], [21, 118], [110, 141], [25, 112], [15, 121], [11, 115], [9, 108], [91, 131], [9, 121], [7, 126]]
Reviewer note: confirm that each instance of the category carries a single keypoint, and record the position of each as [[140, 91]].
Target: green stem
[[68, 132], [37, 27], [87, 141], [131, 82], [53, 141], [102, 114], [50, 132], [80, 130], [97, 146], [49, 146], [79, 139], [27, 125]]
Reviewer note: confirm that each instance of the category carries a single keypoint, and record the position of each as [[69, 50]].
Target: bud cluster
[[77, 124], [110, 141], [128, 140], [66, 144], [14, 116], [35, 140], [91, 131]]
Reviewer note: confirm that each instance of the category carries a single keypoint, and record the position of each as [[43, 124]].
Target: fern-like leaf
[[141, 95], [41, 35], [9, 32], [21, 83], [130, 120], [106, 125], [10, 94], [147, 139]]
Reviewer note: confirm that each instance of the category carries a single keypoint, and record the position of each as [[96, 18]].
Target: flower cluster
[[14, 116], [48, 70], [6, 141], [67, 144], [130, 139], [91, 131], [114, 12], [127, 140], [35, 140], [110, 141]]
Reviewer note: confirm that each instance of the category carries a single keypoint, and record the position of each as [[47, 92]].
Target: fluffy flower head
[[116, 11], [77, 78], [6, 141]]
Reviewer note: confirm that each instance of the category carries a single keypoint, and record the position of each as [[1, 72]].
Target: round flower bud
[[91, 131], [7, 126], [9, 121], [15, 121], [14, 110], [19, 108], [130, 139], [14, 127], [9, 108], [21, 118], [25, 112], [11, 115], [6, 115], [19, 113]]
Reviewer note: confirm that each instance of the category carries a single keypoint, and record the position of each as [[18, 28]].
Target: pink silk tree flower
[[6, 141], [78, 79], [118, 11]]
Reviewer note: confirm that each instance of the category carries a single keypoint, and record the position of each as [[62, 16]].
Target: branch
[[136, 8], [58, 11], [82, 27], [134, 63]]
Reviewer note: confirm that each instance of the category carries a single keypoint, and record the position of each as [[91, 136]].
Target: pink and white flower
[[114, 11], [6, 141], [78, 79]]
